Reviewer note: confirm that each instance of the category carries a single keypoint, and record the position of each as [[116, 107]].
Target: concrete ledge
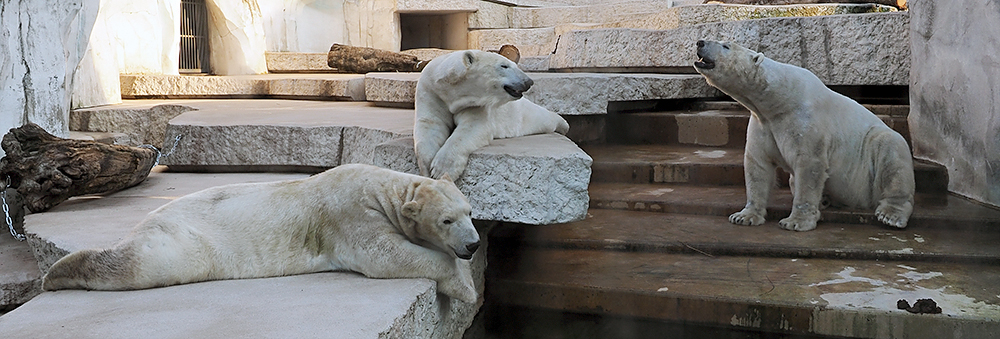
[[312, 305], [282, 133], [304, 306], [324, 86], [139, 123], [20, 279], [863, 49], [537, 179], [289, 62], [564, 93]]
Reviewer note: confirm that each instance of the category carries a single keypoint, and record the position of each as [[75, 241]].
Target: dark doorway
[[194, 37]]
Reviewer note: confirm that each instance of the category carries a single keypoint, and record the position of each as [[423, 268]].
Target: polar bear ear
[[456, 71], [758, 58], [411, 209]]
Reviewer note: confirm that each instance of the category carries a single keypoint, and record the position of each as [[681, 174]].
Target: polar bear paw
[[799, 224], [892, 215], [746, 218]]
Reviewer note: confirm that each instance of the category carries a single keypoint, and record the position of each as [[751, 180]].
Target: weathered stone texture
[[340, 86], [141, 125], [537, 179], [954, 94], [863, 49], [257, 145]]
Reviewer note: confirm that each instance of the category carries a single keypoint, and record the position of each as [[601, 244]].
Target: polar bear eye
[[447, 221], [725, 46], [504, 66]]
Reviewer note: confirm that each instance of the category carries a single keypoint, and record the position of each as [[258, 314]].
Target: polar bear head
[[474, 78], [730, 67], [443, 218]]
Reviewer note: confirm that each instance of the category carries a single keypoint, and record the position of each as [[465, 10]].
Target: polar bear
[[378, 222], [828, 142], [464, 100]]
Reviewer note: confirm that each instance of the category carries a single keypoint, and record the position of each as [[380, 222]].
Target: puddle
[[711, 154]]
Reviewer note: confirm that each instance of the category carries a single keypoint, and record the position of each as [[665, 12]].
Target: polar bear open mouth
[[704, 62], [517, 93]]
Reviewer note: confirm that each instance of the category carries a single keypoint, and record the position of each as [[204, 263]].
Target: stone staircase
[[636, 244]]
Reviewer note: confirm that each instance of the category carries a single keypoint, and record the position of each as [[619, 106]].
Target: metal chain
[[159, 155], [6, 212]]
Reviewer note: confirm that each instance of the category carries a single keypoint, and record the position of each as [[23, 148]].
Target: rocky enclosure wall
[[955, 92]]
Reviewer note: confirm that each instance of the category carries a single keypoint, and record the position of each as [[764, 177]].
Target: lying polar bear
[[464, 100], [381, 223], [828, 142]]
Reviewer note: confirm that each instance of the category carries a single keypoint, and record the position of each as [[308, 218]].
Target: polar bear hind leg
[[110, 269], [893, 179]]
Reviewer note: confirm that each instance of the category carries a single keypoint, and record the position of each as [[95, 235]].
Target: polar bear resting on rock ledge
[[381, 223], [464, 100], [828, 142]]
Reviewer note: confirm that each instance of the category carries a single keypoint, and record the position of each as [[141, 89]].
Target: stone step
[[706, 166], [563, 93], [299, 86], [650, 14], [284, 306], [777, 296], [309, 136], [932, 211], [20, 278], [294, 62], [845, 50], [712, 127]]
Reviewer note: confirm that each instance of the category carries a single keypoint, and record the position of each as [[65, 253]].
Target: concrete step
[[563, 93], [765, 295], [546, 175], [299, 86], [712, 127], [931, 211], [651, 14], [20, 278], [274, 307], [847, 50], [706, 166]]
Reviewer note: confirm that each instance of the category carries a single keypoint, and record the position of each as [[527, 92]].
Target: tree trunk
[[47, 170], [362, 60]]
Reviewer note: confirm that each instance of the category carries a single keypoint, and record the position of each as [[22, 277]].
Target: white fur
[[381, 223], [461, 105], [827, 141]]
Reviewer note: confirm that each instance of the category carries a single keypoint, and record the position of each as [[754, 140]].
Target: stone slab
[[863, 49], [313, 86], [20, 279], [318, 305], [140, 122], [564, 93], [537, 179], [292, 62], [411, 306], [267, 133]]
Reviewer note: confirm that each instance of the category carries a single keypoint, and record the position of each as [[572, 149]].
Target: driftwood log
[[362, 60], [47, 170], [901, 4]]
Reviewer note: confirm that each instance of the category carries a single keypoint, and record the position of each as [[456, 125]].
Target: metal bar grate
[[194, 37]]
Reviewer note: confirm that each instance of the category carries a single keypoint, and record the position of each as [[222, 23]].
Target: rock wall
[[955, 92], [40, 47]]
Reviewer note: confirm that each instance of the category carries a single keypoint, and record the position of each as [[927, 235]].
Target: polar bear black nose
[[701, 43], [472, 247]]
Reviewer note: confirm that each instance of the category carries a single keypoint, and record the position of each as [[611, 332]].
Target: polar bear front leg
[[894, 179], [810, 176], [759, 174], [429, 133], [392, 256], [472, 132]]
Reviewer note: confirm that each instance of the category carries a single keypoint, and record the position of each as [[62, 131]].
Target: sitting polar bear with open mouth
[[828, 142], [380, 223], [464, 100]]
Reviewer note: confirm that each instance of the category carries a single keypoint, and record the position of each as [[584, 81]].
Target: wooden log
[[362, 60], [47, 170], [901, 4]]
